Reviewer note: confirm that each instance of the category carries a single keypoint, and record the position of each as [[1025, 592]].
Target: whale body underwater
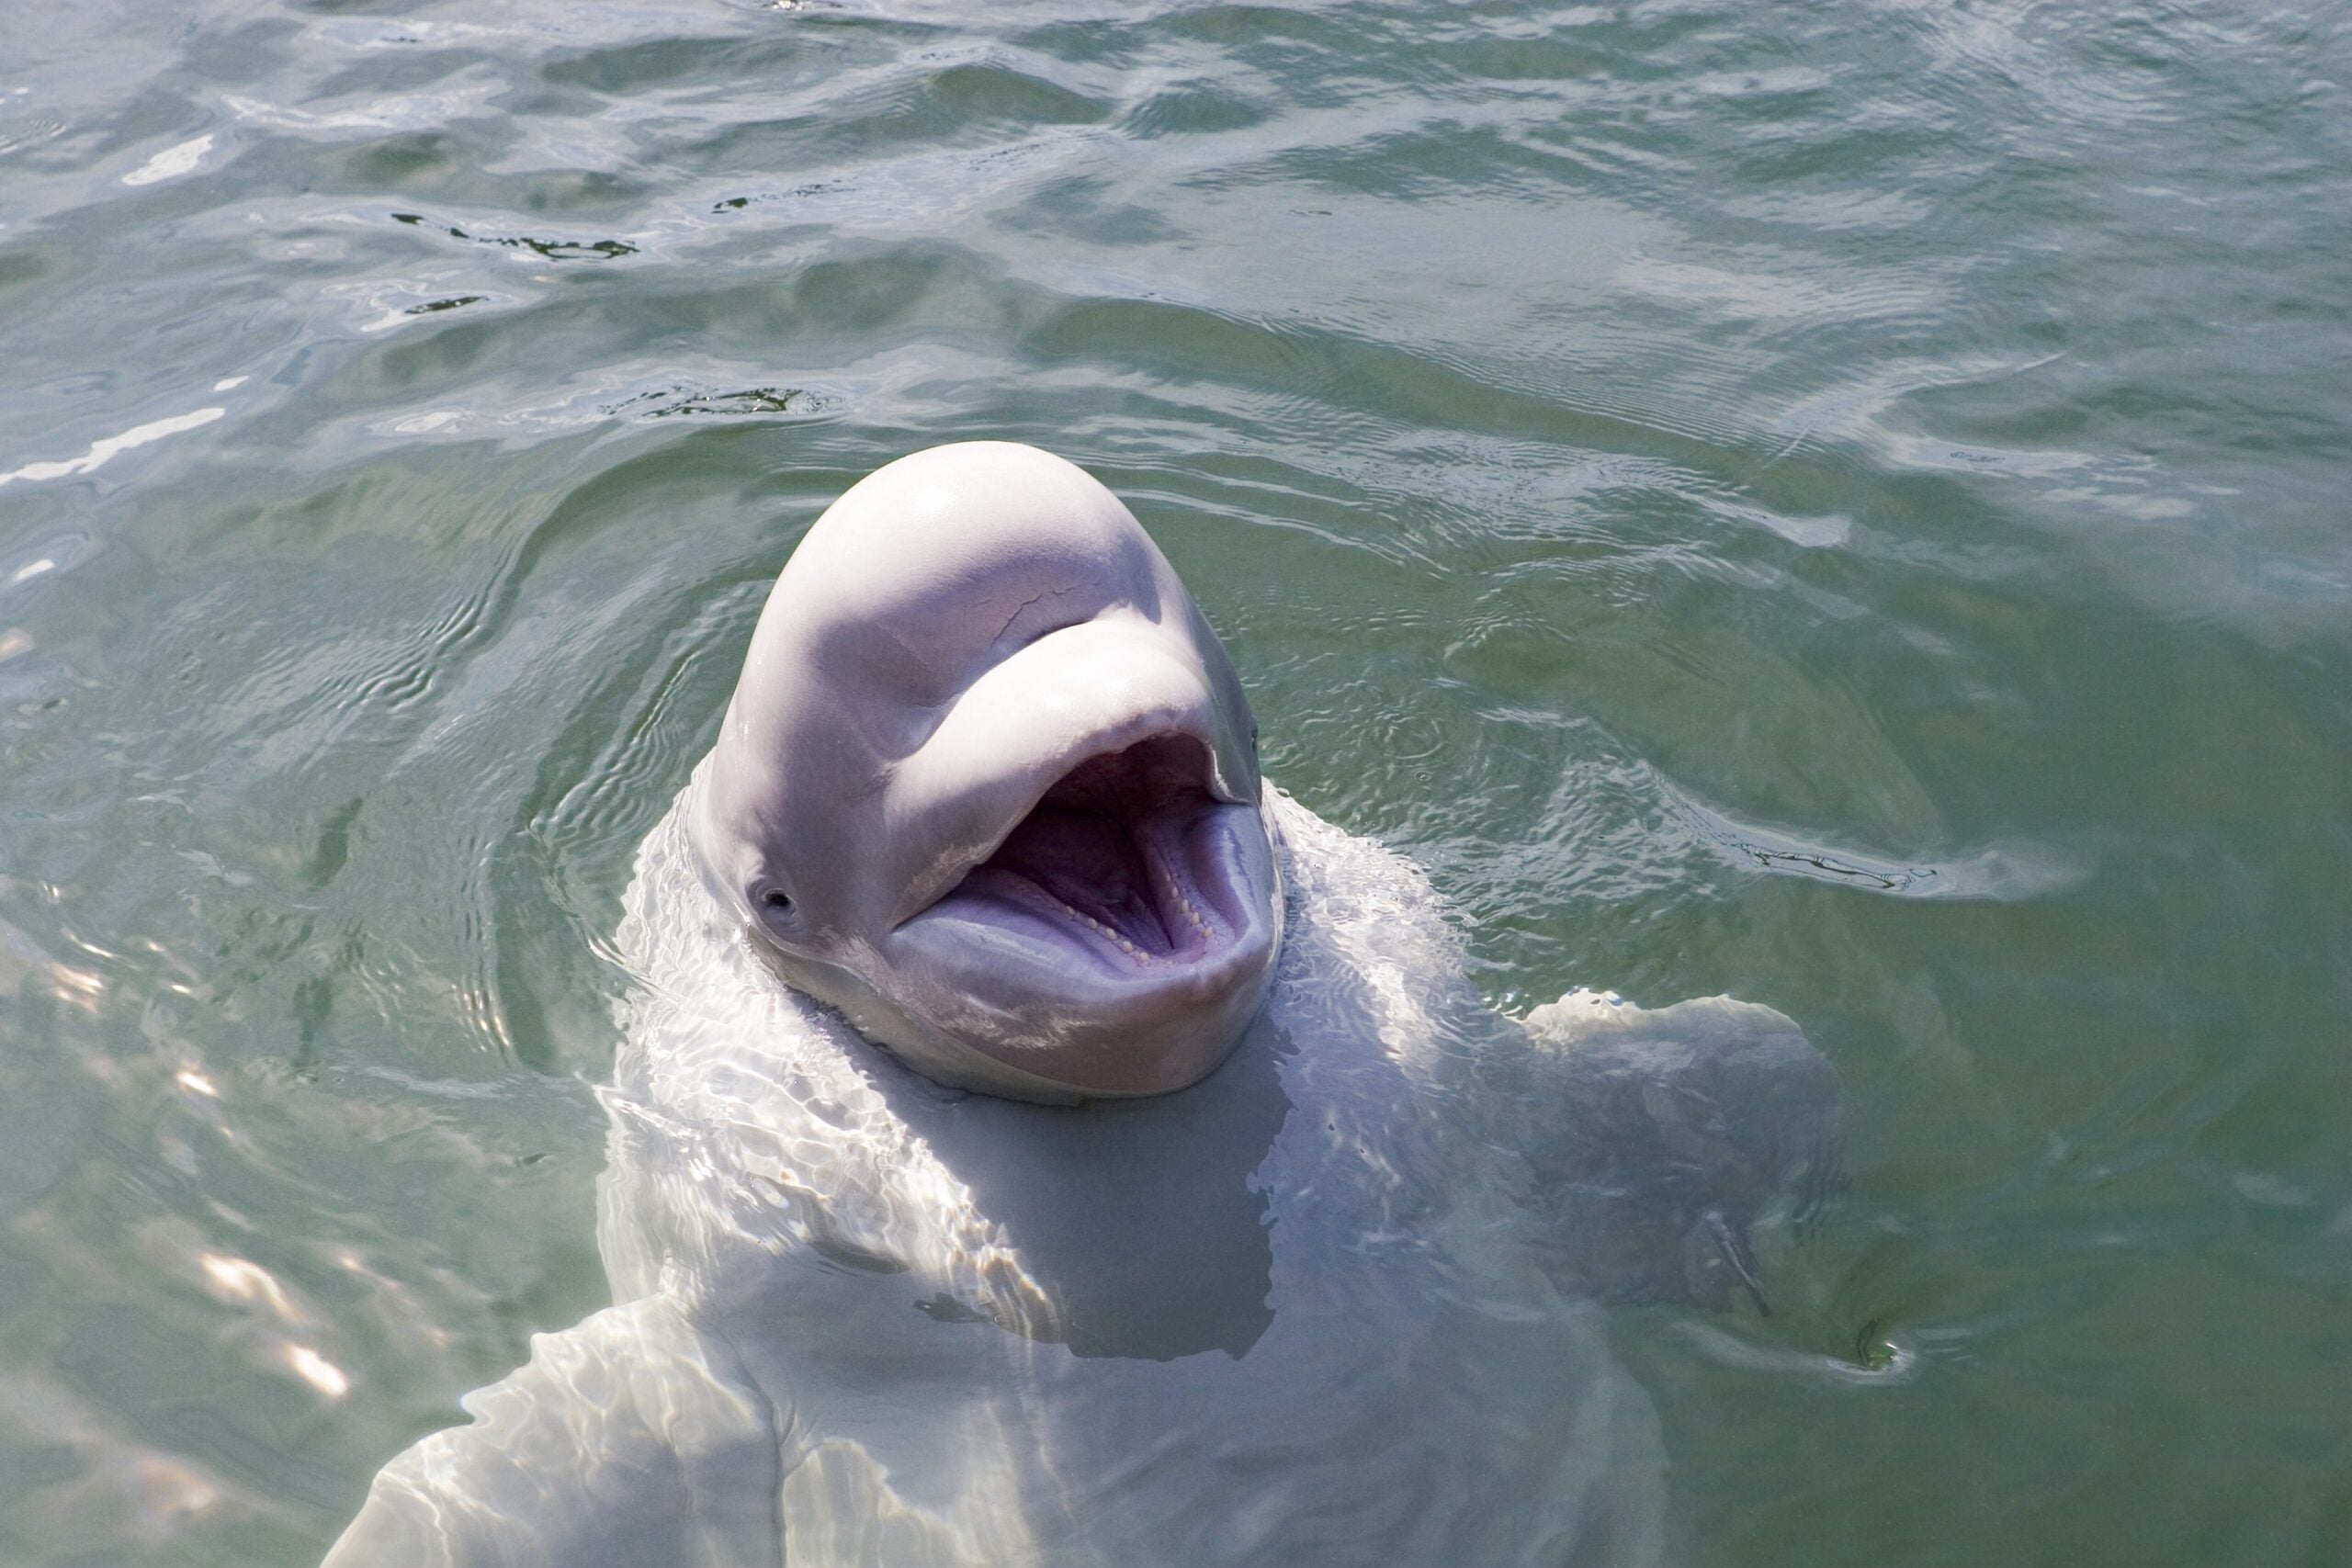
[[1036, 1140]]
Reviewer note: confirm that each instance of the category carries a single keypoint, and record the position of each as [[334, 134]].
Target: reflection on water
[[1669, 468], [104, 451]]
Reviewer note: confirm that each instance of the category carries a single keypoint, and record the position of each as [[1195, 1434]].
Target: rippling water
[[1841, 505]]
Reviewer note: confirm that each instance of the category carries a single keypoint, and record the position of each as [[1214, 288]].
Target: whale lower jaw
[[1116, 942], [950, 1010], [1093, 1063]]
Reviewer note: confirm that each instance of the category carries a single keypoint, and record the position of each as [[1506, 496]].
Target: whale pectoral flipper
[[627, 1442], [1655, 1138]]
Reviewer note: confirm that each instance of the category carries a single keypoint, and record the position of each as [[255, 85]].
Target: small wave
[[2005, 872]]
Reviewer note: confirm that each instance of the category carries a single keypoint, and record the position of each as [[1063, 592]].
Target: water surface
[[1842, 505]]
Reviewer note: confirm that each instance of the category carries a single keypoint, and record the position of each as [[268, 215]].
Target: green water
[[1840, 504]]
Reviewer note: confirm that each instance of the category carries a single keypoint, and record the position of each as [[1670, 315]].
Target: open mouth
[[1129, 857]]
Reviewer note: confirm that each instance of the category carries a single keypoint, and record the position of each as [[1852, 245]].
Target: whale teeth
[[1176, 891], [1129, 948]]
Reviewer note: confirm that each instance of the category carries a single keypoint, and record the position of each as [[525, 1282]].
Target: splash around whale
[[1263, 1241]]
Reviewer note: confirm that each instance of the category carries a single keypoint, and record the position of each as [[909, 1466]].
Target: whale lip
[[1128, 865]]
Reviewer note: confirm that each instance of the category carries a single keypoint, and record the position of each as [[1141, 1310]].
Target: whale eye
[[773, 905], [774, 912]]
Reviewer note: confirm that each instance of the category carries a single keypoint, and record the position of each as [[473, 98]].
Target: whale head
[[989, 785]]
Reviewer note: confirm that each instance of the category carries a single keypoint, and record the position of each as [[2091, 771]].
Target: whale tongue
[[1090, 862], [1098, 844]]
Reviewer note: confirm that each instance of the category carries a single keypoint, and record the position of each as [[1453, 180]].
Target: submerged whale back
[[1335, 1304], [1378, 1373]]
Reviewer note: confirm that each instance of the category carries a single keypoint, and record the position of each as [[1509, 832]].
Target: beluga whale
[[990, 786], [1035, 1139]]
